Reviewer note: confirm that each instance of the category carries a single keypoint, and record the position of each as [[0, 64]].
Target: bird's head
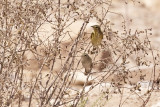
[[84, 55], [96, 28]]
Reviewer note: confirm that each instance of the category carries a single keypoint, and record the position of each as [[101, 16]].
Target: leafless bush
[[20, 38]]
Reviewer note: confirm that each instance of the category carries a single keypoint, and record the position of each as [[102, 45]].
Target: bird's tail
[[87, 71]]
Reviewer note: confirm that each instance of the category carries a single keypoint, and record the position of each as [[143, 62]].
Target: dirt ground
[[144, 16]]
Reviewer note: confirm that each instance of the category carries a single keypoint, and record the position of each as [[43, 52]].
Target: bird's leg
[[93, 50]]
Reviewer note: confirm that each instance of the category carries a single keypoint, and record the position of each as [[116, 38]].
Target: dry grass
[[40, 49]]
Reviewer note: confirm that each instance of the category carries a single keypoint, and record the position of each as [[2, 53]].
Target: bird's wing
[[101, 35], [92, 34]]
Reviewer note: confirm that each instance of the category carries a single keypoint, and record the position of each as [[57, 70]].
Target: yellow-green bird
[[96, 36], [87, 63]]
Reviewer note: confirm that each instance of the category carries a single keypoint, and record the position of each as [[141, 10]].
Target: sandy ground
[[143, 16]]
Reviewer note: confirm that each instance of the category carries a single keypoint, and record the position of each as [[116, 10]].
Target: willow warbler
[[96, 36], [87, 63]]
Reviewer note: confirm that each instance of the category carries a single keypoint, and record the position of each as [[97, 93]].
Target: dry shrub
[[58, 53]]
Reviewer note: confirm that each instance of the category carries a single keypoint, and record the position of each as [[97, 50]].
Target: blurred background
[[41, 43]]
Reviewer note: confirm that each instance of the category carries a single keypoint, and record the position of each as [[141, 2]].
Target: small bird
[[96, 36], [87, 63]]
